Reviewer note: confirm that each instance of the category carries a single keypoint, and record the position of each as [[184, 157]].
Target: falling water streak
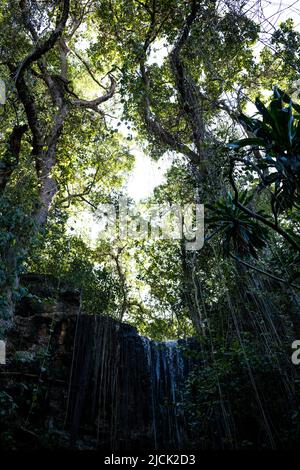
[[168, 371], [124, 384]]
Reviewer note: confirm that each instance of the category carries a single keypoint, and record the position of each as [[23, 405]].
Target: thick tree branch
[[11, 157], [56, 91], [190, 96], [63, 50], [31, 113], [152, 121], [154, 126], [93, 104], [47, 45]]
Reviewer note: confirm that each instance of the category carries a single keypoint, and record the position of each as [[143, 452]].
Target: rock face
[[105, 386], [126, 388]]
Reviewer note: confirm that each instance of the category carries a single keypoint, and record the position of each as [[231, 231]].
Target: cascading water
[[125, 389], [168, 370]]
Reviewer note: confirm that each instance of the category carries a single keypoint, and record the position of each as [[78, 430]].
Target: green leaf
[[278, 93], [251, 141], [264, 112]]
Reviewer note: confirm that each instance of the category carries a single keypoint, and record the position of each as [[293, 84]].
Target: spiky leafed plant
[[240, 235], [277, 135]]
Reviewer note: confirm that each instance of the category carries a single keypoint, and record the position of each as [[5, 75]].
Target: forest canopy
[[85, 81]]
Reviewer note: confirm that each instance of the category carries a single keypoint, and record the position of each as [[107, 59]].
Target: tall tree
[[42, 102]]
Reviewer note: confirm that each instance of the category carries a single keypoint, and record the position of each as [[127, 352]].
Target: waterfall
[[125, 389], [168, 371]]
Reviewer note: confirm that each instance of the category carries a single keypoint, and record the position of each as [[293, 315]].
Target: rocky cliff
[[88, 381]]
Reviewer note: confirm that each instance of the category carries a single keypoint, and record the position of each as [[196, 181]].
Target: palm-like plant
[[277, 134], [240, 234]]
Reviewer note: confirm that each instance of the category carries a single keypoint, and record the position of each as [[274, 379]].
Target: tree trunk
[[9, 257]]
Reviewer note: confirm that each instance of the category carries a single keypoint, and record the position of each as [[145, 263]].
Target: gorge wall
[[90, 381]]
